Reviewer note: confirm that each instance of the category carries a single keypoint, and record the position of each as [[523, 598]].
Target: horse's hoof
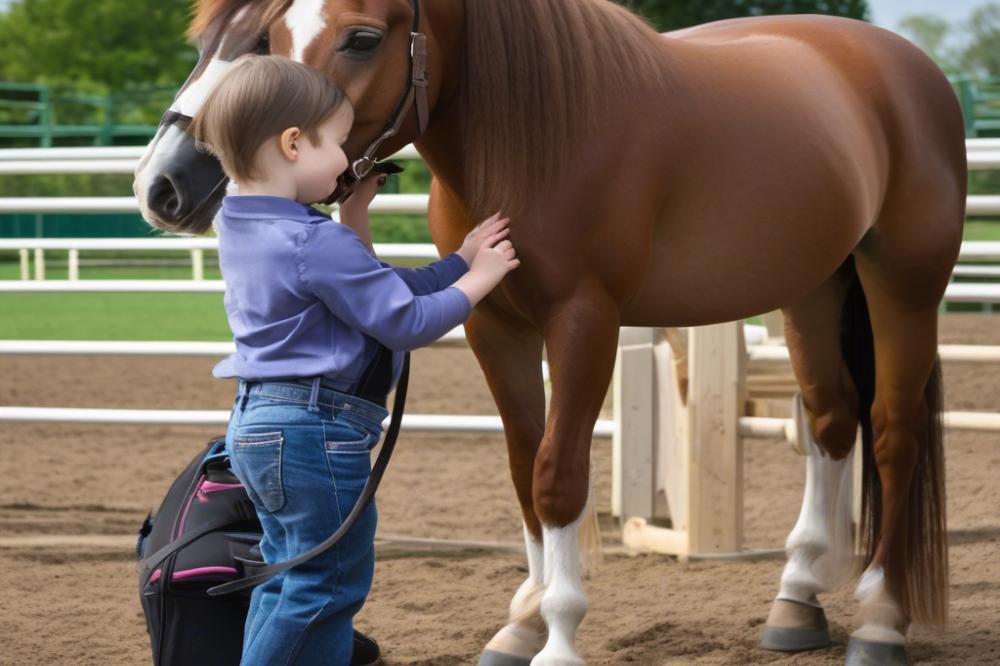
[[794, 627], [790, 639], [494, 658], [871, 653]]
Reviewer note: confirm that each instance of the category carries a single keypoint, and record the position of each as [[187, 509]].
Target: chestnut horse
[[806, 163]]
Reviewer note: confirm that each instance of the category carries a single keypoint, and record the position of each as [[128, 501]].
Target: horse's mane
[[206, 11], [539, 77]]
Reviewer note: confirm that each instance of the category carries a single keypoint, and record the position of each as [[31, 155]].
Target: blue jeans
[[302, 453]]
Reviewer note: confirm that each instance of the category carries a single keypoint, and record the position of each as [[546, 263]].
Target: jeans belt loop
[[243, 392], [314, 395]]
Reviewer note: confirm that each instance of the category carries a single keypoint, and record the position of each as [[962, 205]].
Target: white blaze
[[191, 99], [305, 20]]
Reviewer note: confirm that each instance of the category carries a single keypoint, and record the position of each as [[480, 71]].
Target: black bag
[[207, 502]]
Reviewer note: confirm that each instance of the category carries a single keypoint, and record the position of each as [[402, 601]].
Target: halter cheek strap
[[416, 89]]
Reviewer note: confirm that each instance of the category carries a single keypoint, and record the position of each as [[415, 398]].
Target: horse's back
[[792, 133], [889, 74]]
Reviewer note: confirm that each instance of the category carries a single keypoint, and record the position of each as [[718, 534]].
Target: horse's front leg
[[581, 339], [510, 353]]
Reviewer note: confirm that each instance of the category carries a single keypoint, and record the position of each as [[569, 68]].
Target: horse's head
[[177, 186], [376, 53], [369, 48]]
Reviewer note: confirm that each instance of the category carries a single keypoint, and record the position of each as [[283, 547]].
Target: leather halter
[[416, 88]]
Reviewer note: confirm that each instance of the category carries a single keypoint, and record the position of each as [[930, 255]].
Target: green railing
[[34, 115], [980, 106]]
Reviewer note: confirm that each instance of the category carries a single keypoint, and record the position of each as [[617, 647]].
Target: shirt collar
[[270, 207]]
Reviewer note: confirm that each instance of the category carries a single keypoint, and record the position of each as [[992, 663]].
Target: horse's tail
[[922, 578]]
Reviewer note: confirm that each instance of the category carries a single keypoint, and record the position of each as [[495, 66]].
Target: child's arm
[[433, 277], [357, 220], [354, 211], [336, 266], [422, 279]]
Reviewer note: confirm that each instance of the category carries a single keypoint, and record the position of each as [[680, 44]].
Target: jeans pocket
[[259, 455], [343, 438]]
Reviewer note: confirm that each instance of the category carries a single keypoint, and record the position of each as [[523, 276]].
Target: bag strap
[[371, 485], [146, 566]]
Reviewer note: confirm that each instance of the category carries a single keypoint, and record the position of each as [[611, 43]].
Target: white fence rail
[[411, 422], [36, 161]]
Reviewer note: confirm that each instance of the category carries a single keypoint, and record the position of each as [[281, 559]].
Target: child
[[310, 306]]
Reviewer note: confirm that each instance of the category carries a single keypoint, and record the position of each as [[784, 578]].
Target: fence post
[[25, 268], [633, 487], [74, 264], [717, 387], [197, 264], [39, 263]]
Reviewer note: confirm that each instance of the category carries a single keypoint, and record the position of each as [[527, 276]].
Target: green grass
[[113, 317], [982, 230]]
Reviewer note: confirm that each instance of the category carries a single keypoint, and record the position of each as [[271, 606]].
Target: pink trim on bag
[[212, 486], [206, 487], [194, 573], [180, 526]]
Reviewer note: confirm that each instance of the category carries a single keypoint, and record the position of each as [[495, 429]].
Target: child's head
[[272, 119]]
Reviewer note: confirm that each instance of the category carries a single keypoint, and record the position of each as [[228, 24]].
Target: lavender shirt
[[305, 296]]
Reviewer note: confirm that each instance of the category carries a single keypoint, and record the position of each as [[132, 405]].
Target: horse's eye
[[263, 46], [361, 41]]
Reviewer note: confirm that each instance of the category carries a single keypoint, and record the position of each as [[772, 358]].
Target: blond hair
[[259, 98]]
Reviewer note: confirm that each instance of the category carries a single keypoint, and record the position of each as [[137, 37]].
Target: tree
[[982, 55], [98, 46], [932, 34], [674, 14]]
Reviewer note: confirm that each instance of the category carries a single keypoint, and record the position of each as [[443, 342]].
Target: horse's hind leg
[[904, 517], [510, 353], [819, 546]]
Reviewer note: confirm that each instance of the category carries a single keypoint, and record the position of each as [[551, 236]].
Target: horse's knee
[[559, 504], [559, 499], [835, 430]]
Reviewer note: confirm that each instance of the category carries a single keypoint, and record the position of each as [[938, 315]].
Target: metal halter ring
[[362, 166]]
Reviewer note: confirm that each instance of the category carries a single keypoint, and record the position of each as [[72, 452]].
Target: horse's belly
[[706, 270]]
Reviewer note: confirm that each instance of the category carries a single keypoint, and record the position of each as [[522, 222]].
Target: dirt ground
[[80, 606]]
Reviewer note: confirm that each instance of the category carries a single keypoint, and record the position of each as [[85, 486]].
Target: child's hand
[[363, 192], [484, 235], [495, 262], [488, 269]]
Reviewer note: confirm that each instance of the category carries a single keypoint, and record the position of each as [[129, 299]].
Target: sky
[[887, 13]]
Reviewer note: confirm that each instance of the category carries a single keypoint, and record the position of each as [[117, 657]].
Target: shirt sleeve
[[432, 277], [337, 267]]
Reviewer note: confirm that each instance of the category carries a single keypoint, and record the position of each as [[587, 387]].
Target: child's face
[[316, 170]]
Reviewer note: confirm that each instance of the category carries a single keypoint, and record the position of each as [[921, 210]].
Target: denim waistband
[[336, 400]]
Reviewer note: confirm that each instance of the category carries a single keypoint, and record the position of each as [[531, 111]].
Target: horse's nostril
[[165, 199]]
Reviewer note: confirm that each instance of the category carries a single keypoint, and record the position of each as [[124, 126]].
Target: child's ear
[[287, 143]]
